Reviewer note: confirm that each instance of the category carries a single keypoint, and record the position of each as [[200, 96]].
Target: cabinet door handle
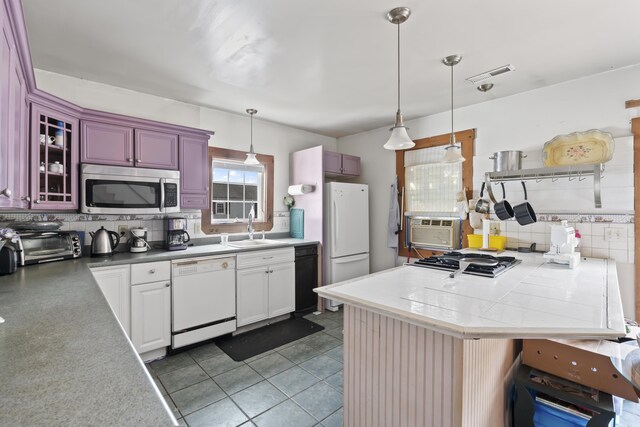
[[270, 271], [266, 271], [26, 198], [139, 161], [6, 192], [166, 285], [129, 160], [38, 201]]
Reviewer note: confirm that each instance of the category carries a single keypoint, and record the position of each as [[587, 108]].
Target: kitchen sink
[[253, 243]]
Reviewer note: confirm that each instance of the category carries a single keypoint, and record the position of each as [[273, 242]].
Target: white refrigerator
[[346, 233]]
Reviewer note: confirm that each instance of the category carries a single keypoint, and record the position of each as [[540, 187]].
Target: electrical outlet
[[196, 228], [612, 234], [122, 230], [495, 228]]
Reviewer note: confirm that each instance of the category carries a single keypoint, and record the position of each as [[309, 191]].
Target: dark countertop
[[64, 359]]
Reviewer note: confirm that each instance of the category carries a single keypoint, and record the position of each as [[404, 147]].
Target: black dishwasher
[[306, 278]]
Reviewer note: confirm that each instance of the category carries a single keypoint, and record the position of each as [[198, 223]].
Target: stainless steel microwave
[[127, 190]]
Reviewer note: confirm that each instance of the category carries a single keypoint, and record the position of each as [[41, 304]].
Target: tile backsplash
[[603, 236], [153, 223]]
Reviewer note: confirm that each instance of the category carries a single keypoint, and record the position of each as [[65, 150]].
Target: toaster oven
[[36, 247], [435, 233]]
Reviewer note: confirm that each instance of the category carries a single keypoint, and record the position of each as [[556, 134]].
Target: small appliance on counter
[[177, 235], [38, 246], [103, 242], [8, 260], [138, 241], [563, 245]]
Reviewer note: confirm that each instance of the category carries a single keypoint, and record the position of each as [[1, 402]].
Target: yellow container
[[495, 242]]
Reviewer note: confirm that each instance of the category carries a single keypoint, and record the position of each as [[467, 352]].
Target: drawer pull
[[167, 285], [225, 264], [152, 271], [267, 257]]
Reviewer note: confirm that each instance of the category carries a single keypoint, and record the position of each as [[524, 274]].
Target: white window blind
[[430, 186]]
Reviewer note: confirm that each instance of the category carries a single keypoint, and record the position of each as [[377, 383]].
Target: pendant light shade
[[453, 151], [399, 139], [251, 155]]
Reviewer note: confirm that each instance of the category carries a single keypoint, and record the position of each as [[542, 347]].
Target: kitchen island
[[422, 348]]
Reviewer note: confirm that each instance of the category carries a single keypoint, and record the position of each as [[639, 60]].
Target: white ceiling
[[328, 66]]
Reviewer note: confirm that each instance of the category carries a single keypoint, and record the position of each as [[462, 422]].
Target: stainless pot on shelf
[[507, 160]]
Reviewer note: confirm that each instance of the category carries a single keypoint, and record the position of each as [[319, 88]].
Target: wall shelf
[[579, 172]]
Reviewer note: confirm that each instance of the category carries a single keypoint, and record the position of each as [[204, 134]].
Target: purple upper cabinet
[[332, 162], [13, 122], [341, 165], [54, 159], [156, 150], [106, 144], [194, 172], [350, 165]]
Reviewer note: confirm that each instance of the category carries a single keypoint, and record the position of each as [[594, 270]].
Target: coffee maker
[[177, 236]]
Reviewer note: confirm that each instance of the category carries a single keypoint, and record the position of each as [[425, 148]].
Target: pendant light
[[453, 151], [251, 155], [399, 139]]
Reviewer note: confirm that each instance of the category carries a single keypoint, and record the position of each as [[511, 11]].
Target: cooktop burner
[[449, 262]]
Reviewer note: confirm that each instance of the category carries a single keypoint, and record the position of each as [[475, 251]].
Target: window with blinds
[[430, 187], [235, 188]]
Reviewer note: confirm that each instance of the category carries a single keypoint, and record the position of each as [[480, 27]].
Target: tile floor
[[299, 384]]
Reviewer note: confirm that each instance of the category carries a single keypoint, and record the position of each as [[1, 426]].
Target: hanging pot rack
[[579, 172]]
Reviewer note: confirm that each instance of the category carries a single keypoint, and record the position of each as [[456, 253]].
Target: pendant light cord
[[398, 24], [453, 137], [251, 148]]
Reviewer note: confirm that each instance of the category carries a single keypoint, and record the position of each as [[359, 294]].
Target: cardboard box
[[586, 362]]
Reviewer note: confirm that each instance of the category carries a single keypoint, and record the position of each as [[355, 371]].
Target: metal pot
[[503, 208], [507, 160], [524, 213], [482, 205]]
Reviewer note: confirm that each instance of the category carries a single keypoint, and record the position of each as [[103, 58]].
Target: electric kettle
[[103, 242]]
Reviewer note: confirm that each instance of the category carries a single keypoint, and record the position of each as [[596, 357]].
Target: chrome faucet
[[252, 215]]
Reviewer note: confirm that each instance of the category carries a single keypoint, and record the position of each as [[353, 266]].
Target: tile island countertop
[[535, 299], [64, 358]]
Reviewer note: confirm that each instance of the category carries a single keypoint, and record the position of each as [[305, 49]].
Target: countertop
[[534, 299], [64, 359]]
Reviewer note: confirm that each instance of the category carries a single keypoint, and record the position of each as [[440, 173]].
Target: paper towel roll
[[300, 189]]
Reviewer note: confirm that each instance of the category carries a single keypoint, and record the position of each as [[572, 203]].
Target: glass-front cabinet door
[[54, 157]]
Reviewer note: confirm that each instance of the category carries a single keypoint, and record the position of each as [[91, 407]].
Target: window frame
[[206, 224], [466, 138]]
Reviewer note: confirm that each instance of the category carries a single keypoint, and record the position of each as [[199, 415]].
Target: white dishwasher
[[203, 298]]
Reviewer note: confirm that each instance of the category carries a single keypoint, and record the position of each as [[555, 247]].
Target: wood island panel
[[400, 374]]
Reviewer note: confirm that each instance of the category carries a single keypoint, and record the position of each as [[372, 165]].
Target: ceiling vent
[[490, 74]]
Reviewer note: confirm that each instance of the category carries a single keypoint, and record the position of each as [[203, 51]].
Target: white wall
[[231, 130], [519, 122]]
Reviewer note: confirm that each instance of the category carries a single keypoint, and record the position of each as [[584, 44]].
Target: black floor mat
[[249, 344]]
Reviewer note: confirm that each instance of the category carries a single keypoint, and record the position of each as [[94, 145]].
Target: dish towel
[[394, 217]]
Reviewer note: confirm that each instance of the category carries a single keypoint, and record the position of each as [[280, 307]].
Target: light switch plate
[[612, 234]]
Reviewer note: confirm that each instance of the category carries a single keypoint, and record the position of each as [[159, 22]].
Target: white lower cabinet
[[115, 284], [265, 285], [282, 294], [151, 306], [151, 316], [252, 295]]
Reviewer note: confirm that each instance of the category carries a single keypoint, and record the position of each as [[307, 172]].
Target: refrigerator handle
[[336, 231]]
